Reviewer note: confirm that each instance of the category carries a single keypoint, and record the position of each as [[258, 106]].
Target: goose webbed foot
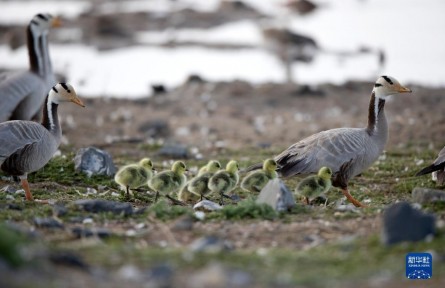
[[352, 199], [28, 194]]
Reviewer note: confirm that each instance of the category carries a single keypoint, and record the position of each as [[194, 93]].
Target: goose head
[[41, 23], [213, 166], [63, 92], [270, 165], [179, 167], [146, 164], [386, 86], [232, 166], [325, 173]]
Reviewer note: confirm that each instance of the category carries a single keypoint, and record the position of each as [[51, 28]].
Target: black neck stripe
[[65, 87]]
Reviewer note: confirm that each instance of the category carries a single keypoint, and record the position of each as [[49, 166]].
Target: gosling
[[256, 180], [225, 181], [315, 185], [169, 181], [134, 175], [199, 184]]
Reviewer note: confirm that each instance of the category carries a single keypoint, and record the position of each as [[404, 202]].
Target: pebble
[[160, 276], [277, 195], [157, 128], [86, 232], [210, 244], [48, 223], [97, 206], [130, 273], [426, 195], [93, 161], [207, 205], [59, 210], [184, 223], [68, 259], [216, 275], [176, 151], [402, 222], [8, 189]]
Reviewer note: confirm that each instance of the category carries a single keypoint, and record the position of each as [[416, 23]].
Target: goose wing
[[17, 135], [438, 164], [16, 91], [331, 148]]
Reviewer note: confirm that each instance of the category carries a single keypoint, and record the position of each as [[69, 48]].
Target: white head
[[63, 92], [41, 23], [386, 86]]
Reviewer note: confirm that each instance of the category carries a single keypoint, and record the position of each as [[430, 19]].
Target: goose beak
[[78, 102], [404, 90], [56, 22]]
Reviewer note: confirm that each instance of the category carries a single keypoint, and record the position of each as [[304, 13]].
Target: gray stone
[[48, 223], [160, 276], [426, 195], [402, 222], [212, 244], [80, 232], [277, 195], [184, 223], [60, 210], [8, 189], [97, 206], [157, 128], [207, 205], [69, 259], [93, 161], [175, 151]]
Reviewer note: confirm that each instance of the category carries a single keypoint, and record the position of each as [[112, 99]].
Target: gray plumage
[[437, 168], [26, 146], [333, 148], [22, 94]]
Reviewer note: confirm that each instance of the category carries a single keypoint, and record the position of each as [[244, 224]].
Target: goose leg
[[221, 200], [174, 201], [352, 199], [202, 197], [156, 196], [306, 200], [25, 185], [127, 189]]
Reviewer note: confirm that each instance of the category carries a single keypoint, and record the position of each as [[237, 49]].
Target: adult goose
[[22, 94], [358, 147], [437, 168], [26, 146]]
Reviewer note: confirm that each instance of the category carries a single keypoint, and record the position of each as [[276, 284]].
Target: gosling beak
[[404, 90], [56, 22], [78, 102]]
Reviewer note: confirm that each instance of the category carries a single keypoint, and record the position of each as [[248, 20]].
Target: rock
[[239, 278], [426, 195], [93, 161], [158, 89], [212, 244], [48, 223], [97, 206], [68, 259], [176, 151], [160, 276], [207, 205], [130, 273], [60, 210], [184, 223], [80, 232], [216, 275], [158, 128], [277, 195], [401, 222], [8, 189]]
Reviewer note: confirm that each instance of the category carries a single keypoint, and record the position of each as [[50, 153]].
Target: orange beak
[[56, 22], [78, 102], [404, 90]]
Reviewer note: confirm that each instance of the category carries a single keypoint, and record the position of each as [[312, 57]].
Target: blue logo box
[[419, 266]]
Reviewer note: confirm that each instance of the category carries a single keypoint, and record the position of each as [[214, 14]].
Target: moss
[[247, 209]]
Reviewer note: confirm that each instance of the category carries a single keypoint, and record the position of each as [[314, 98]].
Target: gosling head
[[146, 164], [41, 23], [63, 92], [232, 166], [386, 86], [213, 166], [270, 165], [325, 173], [179, 167]]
